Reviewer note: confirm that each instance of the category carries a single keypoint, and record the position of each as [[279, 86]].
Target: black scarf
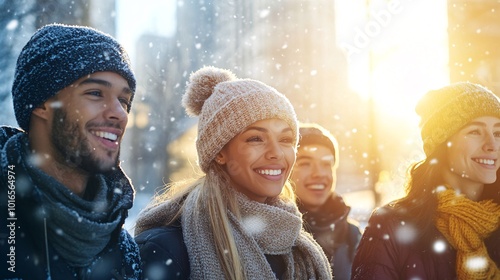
[[329, 224], [78, 229]]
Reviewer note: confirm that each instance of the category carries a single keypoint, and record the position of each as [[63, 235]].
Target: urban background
[[356, 67]]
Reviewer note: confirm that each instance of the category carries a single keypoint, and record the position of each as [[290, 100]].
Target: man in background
[[325, 214]]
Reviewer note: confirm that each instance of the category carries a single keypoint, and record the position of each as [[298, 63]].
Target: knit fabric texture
[[56, 56], [465, 224], [314, 134], [445, 111], [227, 105], [274, 229]]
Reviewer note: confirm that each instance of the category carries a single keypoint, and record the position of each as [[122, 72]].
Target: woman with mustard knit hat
[[239, 221], [447, 226]]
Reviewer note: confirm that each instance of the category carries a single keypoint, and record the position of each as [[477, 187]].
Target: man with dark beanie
[[63, 194], [325, 214]]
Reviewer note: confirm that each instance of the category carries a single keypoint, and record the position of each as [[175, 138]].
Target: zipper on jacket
[[46, 248]]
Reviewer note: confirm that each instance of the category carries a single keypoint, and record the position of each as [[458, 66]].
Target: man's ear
[[41, 111]]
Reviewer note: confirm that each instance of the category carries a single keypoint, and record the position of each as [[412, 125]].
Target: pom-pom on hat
[[56, 56], [227, 105], [443, 112], [314, 134]]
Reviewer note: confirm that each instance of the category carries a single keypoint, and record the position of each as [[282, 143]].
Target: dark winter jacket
[[390, 249], [26, 252], [337, 235], [167, 243]]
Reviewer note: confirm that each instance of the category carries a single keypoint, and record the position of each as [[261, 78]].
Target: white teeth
[[106, 135], [316, 187], [485, 161], [272, 172]]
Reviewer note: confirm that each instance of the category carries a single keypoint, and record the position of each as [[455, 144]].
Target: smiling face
[[473, 154], [259, 159], [314, 175], [88, 121]]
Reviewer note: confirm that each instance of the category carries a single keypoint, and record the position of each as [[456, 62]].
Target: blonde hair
[[214, 193]]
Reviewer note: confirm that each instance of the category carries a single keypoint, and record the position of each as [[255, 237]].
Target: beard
[[75, 148]]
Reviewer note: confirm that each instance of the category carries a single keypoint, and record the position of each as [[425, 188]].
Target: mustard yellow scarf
[[465, 224]]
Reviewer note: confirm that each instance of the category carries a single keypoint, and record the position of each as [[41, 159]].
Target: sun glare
[[397, 50]]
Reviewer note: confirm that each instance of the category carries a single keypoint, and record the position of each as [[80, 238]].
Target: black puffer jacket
[[389, 250], [162, 261], [24, 245], [164, 254]]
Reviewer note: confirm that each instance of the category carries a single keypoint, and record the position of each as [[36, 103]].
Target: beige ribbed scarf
[[465, 224], [274, 229]]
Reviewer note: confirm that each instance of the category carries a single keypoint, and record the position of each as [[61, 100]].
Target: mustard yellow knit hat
[[226, 105], [444, 111]]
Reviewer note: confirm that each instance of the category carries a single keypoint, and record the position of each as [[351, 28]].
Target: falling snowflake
[[406, 234], [253, 225], [439, 246], [264, 13], [476, 263]]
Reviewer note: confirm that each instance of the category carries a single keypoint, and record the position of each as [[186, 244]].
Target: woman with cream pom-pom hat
[[239, 221]]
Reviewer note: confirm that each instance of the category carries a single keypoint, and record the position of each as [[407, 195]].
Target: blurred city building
[[474, 42]]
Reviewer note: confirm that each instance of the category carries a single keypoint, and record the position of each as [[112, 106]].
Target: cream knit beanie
[[445, 111], [227, 105]]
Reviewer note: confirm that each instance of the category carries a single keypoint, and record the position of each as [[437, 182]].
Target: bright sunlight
[[397, 50]]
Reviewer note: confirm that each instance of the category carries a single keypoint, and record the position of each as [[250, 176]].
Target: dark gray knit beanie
[[56, 56]]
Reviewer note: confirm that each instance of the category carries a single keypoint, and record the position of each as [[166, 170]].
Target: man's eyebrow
[[103, 83], [303, 157], [96, 81]]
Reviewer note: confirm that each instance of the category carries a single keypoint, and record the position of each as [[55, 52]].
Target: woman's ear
[[220, 159]]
